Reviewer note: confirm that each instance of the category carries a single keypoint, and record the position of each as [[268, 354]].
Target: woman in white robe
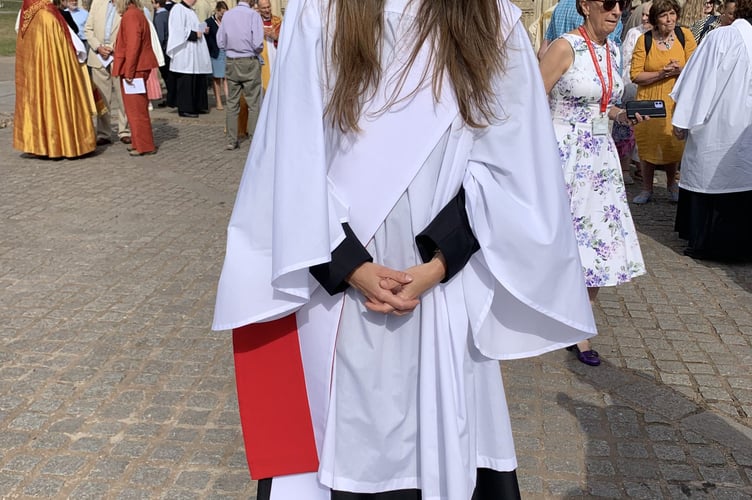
[[714, 113], [391, 394]]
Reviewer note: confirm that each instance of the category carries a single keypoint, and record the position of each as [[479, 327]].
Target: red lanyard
[[606, 95]]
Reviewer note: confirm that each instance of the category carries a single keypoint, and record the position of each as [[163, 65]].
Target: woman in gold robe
[[54, 99]]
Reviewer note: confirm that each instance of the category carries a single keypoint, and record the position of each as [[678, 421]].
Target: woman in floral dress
[[582, 97]]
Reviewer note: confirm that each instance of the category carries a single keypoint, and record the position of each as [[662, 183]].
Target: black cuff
[[192, 37], [345, 258], [449, 232]]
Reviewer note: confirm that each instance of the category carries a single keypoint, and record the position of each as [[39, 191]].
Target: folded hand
[[367, 279]]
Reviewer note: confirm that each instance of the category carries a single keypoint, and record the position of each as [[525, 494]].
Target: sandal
[[642, 198]]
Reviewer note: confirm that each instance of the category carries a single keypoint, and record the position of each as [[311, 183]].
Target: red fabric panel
[[274, 412]]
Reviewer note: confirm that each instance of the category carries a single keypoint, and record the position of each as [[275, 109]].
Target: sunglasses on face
[[609, 5]]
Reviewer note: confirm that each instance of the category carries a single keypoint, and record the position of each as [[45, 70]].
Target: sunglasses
[[609, 5]]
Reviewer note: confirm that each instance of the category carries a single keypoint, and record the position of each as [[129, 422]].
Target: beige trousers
[[109, 87]]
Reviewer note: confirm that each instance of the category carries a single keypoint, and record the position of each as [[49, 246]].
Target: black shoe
[[188, 115], [204, 112], [162, 104]]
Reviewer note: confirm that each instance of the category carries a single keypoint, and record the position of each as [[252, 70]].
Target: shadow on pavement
[[163, 131], [657, 441], [656, 220]]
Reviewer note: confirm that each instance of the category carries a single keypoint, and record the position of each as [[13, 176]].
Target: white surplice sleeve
[[287, 216], [697, 90], [535, 299], [179, 29]]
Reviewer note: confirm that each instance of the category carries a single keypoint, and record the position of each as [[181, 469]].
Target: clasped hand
[[672, 68], [390, 291]]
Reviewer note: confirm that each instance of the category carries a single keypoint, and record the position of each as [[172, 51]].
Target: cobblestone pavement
[[112, 385]]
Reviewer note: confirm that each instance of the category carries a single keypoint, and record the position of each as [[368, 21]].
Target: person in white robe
[[714, 113], [189, 59], [335, 396]]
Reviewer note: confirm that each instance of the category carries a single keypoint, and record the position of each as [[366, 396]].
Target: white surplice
[[186, 57], [418, 401], [714, 102]]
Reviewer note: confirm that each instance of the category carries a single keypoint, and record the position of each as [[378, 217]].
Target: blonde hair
[[464, 40], [122, 5], [691, 13]]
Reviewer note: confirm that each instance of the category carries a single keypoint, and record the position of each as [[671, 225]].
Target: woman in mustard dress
[[655, 71]]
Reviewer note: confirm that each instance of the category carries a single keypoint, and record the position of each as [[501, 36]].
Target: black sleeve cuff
[[345, 258], [192, 37], [449, 232]]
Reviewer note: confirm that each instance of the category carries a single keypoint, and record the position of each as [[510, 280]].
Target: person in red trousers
[[133, 61]]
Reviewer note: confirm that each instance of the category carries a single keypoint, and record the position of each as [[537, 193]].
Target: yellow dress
[[655, 141], [54, 99]]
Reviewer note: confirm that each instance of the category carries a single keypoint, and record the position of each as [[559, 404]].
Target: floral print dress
[[606, 235]]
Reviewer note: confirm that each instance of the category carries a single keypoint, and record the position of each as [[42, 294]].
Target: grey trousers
[[243, 75]]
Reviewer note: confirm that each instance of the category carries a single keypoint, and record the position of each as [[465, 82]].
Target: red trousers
[[137, 110]]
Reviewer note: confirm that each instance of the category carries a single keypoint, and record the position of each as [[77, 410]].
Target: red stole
[[274, 412]]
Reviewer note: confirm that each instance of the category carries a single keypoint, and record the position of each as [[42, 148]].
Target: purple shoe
[[590, 358]]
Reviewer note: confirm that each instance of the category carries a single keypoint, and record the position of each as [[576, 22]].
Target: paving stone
[[169, 452], [604, 490], [130, 448], [600, 467], [647, 490], [721, 475], [21, 463], [91, 491], [178, 494], [150, 476], [211, 457], [63, 465], [43, 487], [193, 480], [707, 455], [678, 472], [89, 444]]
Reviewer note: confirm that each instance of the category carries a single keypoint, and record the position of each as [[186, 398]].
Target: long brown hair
[[691, 12], [465, 41]]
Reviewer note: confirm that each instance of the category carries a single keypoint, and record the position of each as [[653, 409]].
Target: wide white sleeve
[[702, 81], [179, 28], [525, 293], [78, 45], [286, 216]]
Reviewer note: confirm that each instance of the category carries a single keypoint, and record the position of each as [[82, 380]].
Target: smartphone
[[656, 109]]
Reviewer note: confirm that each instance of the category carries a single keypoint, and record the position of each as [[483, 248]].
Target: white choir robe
[[522, 294], [186, 57], [714, 102]]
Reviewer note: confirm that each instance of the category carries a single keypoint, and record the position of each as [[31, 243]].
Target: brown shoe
[[125, 139], [133, 152], [102, 141]]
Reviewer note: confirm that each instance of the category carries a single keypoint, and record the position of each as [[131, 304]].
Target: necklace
[[666, 42]]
